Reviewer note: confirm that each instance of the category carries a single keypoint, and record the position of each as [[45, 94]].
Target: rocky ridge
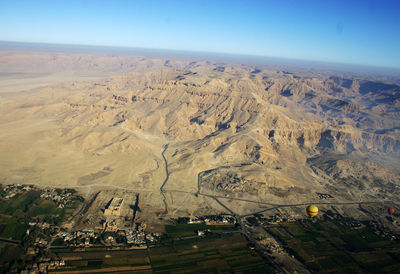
[[268, 130]]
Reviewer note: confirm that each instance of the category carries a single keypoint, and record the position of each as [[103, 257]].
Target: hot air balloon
[[390, 210], [312, 210]]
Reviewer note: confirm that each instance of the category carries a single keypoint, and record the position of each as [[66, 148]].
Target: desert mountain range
[[235, 131]]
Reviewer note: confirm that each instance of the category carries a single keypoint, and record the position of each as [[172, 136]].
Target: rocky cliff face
[[305, 114]]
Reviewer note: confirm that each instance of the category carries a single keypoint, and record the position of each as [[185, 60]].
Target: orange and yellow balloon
[[312, 210]]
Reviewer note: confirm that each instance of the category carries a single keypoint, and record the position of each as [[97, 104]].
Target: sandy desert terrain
[[196, 137]]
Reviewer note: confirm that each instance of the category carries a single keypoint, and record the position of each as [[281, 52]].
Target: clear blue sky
[[358, 32]]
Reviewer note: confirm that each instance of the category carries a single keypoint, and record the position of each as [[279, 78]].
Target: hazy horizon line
[[249, 59]]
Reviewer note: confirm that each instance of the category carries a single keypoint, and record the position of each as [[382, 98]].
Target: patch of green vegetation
[[3, 251], [19, 205], [2, 192], [354, 242], [227, 254], [121, 261], [8, 253], [374, 261], [220, 255], [14, 231], [70, 190], [328, 246], [57, 250], [58, 242], [46, 207], [58, 191], [15, 214]]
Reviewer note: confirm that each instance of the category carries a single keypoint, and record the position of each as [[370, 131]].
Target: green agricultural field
[[129, 260], [83, 260], [20, 204], [226, 254], [8, 252], [229, 253], [58, 242], [326, 246], [46, 207], [14, 231], [26, 205]]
